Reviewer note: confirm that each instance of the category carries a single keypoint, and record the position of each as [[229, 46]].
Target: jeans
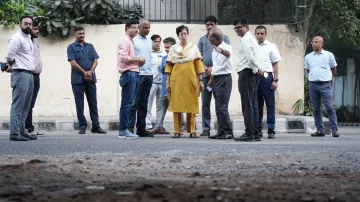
[[318, 91], [129, 84], [139, 108], [28, 123], [90, 91], [265, 93]]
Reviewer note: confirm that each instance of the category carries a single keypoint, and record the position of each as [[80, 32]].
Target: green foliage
[[303, 107], [61, 16]]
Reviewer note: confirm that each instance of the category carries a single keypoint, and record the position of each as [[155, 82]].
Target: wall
[[56, 99]]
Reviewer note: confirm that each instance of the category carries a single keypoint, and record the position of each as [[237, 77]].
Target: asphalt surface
[[72, 167], [55, 143]]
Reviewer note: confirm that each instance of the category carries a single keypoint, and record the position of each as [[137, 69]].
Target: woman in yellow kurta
[[184, 68]]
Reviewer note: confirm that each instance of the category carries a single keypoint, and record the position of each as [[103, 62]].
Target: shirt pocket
[[79, 55]]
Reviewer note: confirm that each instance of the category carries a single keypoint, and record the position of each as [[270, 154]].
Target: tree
[[338, 21]]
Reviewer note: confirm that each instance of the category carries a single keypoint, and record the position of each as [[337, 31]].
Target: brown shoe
[[160, 131]]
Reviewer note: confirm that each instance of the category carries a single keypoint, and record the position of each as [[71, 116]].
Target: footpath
[[284, 124]]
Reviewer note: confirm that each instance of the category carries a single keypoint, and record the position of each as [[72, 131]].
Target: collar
[[266, 42], [25, 35], [321, 52], [153, 51], [78, 44], [140, 37]]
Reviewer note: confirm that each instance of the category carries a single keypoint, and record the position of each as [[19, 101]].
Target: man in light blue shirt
[[321, 67], [143, 48]]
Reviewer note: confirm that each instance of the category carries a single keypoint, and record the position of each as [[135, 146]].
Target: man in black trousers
[[83, 59], [249, 70], [36, 74]]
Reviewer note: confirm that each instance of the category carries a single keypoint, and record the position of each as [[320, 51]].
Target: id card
[[209, 89]]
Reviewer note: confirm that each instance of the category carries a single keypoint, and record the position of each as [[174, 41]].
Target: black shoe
[[205, 133], [271, 135], [16, 137], [98, 130], [335, 134], [257, 138], [214, 136], [29, 136], [144, 133], [260, 134], [245, 138], [225, 136], [318, 134], [82, 131]]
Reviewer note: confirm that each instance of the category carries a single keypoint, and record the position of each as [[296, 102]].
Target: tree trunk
[[306, 25]]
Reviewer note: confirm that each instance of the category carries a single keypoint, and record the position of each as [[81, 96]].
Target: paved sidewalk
[[284, 124]]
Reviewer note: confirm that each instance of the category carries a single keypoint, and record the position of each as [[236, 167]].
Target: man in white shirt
[[268, 83], [156, 57], [20, 57], [249, 70], [221, 82]]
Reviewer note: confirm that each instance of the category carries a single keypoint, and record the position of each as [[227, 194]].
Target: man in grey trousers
[[21, 60], [321, 67]]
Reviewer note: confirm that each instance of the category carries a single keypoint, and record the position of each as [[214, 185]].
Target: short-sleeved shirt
[[222, 64], [270, 55], [156, 58], [320, 65], [206, 48], [84, 56], [143, 49], [163, 91]]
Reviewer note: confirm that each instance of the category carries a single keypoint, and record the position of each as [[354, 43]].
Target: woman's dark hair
[[181, 28]]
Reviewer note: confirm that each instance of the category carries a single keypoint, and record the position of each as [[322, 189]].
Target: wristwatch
[[276, 80]]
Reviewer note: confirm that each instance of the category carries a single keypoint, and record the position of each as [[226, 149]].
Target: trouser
[[22, 84], [139, 108], [161, 109], [190, 119], [265, 93], [129, 84], [154, 92], [222, 86], [89, 89], [28, 123], [206, 104], [318, 91], [248, 84]]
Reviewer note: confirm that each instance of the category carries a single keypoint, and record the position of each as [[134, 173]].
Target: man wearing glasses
[[249, 70], [321, 67], [128, 66]]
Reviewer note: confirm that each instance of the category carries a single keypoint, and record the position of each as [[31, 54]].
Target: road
[[71, 167]]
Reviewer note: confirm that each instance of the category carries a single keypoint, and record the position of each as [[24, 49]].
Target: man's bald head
[[144, 27], [217, 34], [317, 43]]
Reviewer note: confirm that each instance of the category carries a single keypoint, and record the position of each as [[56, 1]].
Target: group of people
[[175, 77]]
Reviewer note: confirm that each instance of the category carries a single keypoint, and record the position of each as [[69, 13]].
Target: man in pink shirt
[[128, 66]]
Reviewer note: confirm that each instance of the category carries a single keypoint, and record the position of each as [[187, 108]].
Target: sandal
[[176, 135], [193, 135]]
